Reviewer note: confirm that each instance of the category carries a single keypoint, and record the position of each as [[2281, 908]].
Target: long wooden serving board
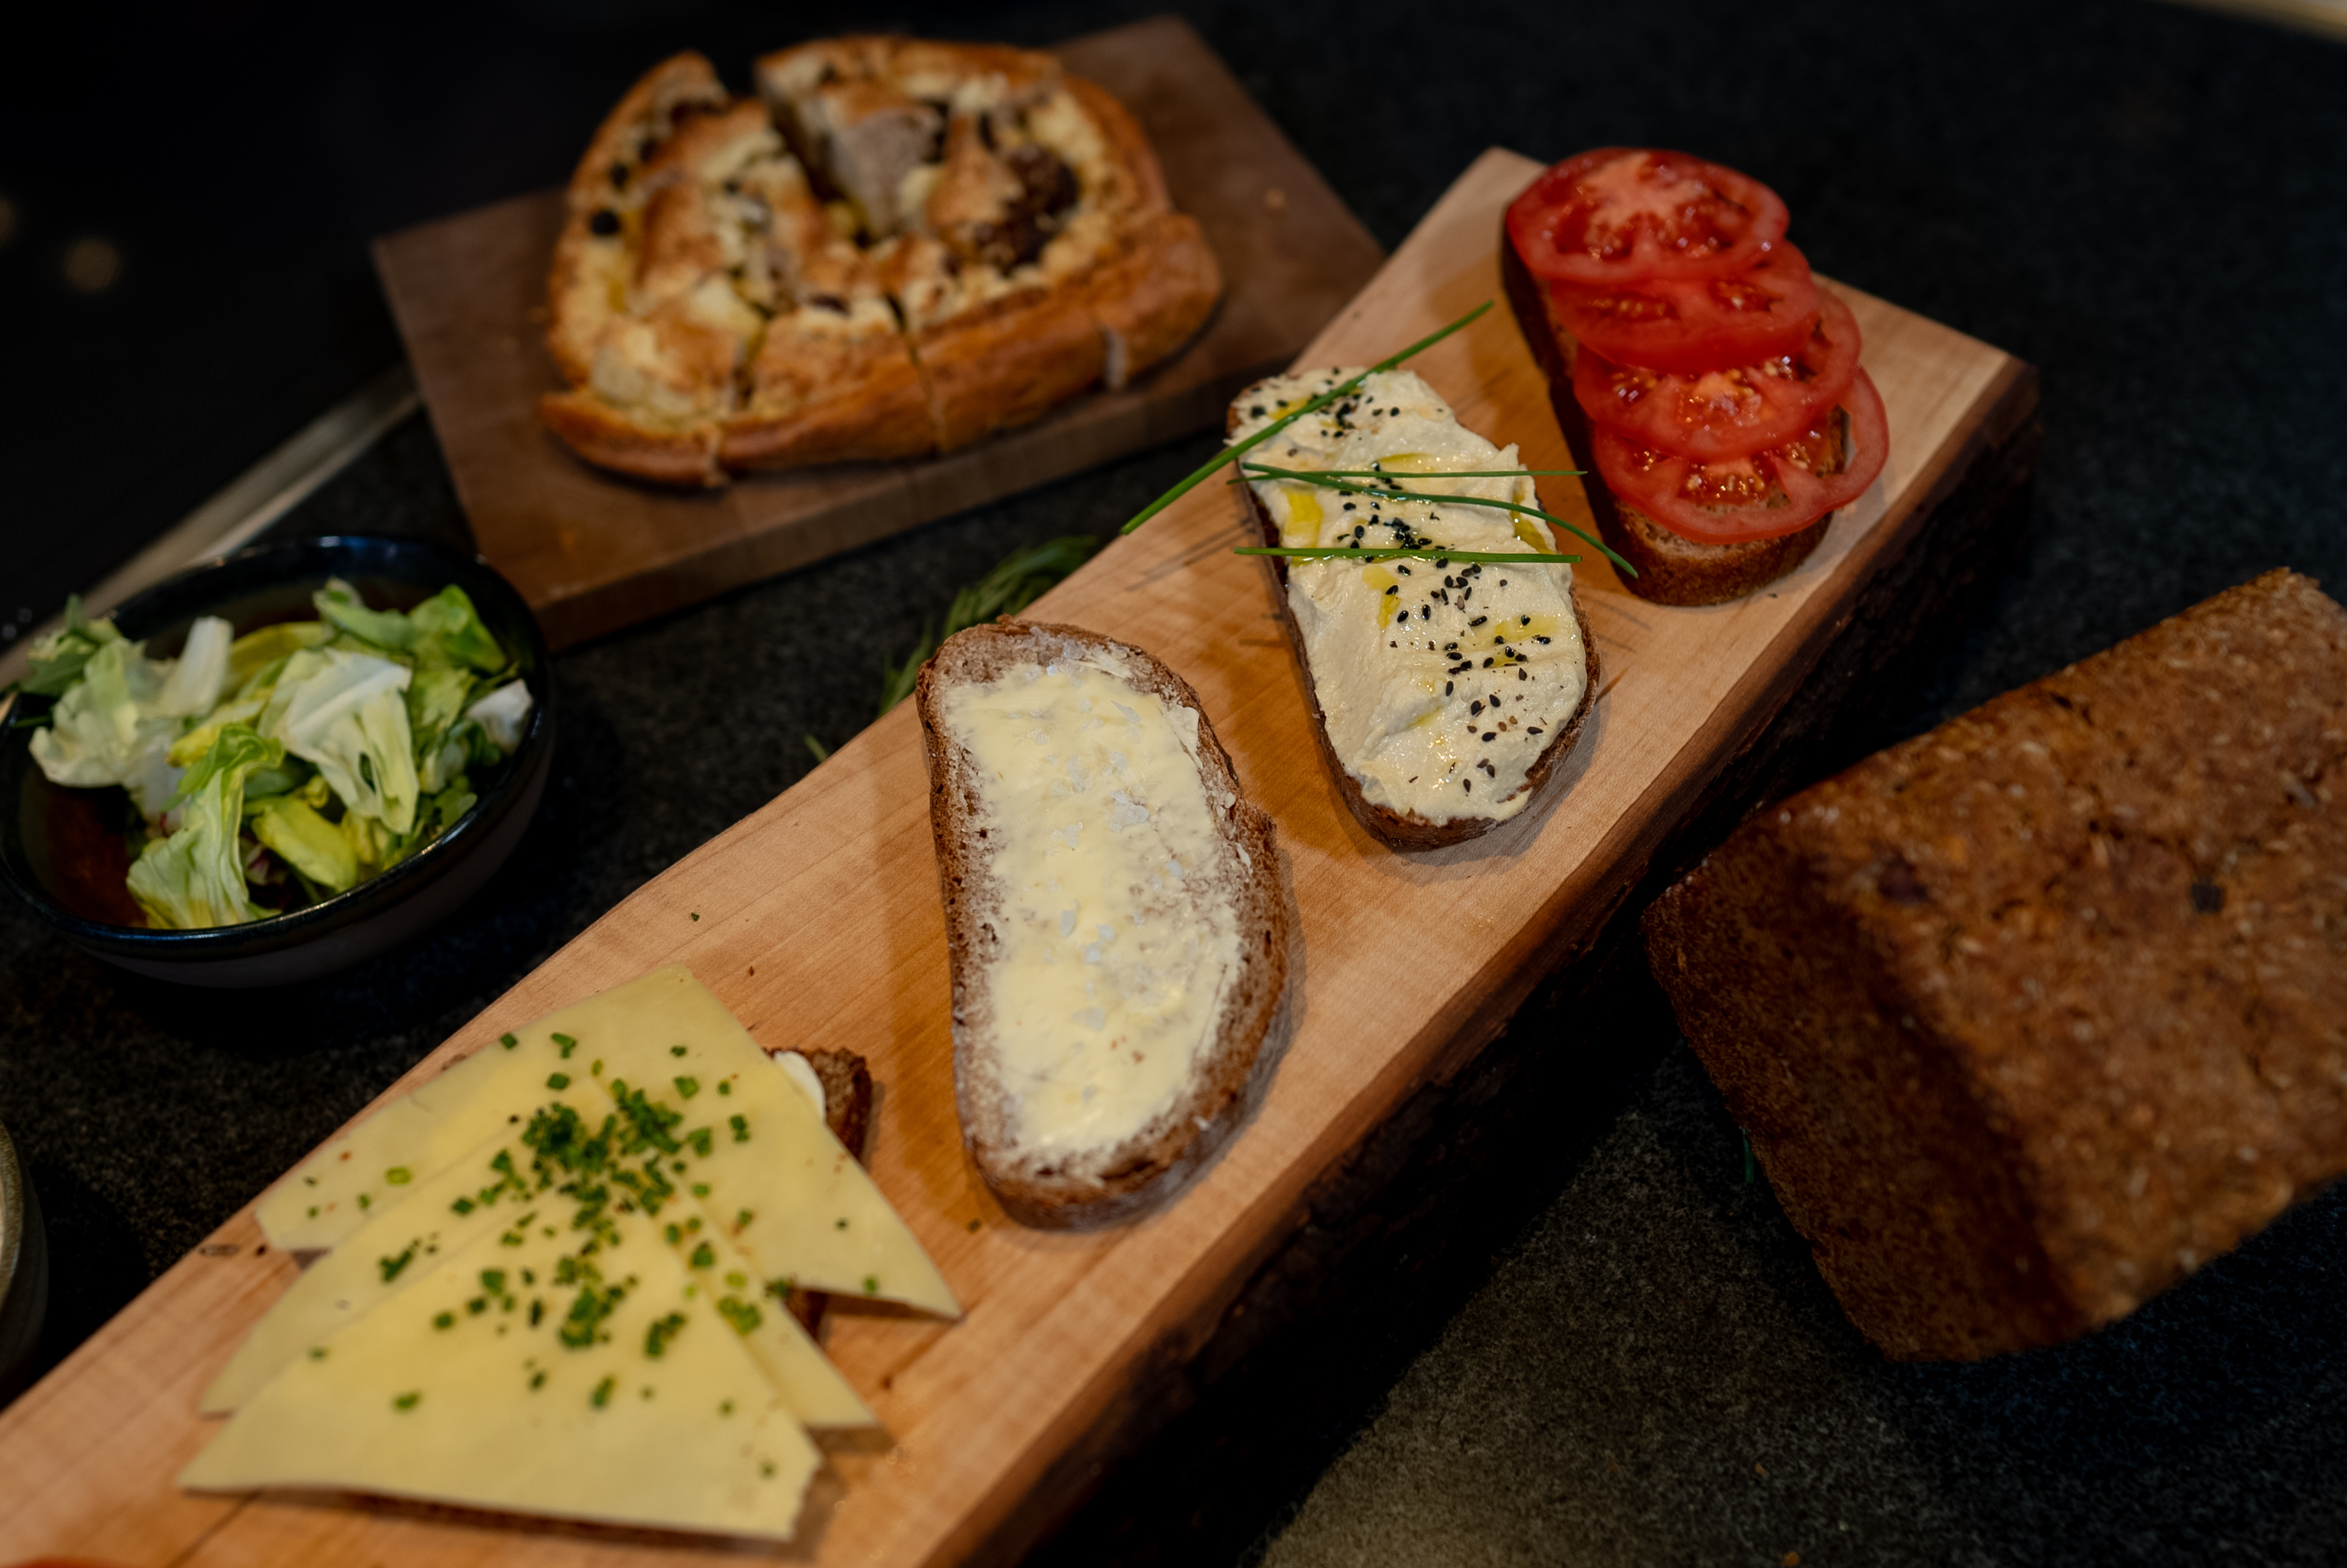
[[592, 551], [818, 921]]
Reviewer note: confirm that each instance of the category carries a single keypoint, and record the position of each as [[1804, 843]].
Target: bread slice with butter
[[1443, 693], [1116, 917]]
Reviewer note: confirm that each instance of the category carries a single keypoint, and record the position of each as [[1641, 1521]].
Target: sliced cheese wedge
[[389, 1256], [786, 1191], [622, 1395]]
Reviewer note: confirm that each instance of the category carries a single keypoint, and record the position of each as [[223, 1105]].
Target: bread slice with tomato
[[1708, 385]]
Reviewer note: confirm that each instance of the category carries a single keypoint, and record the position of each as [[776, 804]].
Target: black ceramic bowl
[[61, 850], [24, 1272]]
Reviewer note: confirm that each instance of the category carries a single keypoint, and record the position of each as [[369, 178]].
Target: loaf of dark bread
[[1671, 568], [2028, 1017]]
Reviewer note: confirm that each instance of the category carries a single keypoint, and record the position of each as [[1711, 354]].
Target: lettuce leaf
[[253, 653], [502, 715], [306, 841], [56, 660], [442, 630], [347, 713], [195, 877]]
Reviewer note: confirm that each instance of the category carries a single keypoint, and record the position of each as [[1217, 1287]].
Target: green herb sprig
[[1321, 479], [1313, 405], [1017, 581]]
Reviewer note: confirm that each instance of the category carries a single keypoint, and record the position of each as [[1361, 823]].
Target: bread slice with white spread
[[1443, 693], [1116, 918]]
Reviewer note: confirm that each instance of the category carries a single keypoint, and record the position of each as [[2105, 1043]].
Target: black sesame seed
[[605, 222], [1539, 640], [619, 177], [1490, 734], [1256, 410], [1487, 663], [1479, 620], [1395, 589], [1530, 730], [1445, 688], [1475, 707]]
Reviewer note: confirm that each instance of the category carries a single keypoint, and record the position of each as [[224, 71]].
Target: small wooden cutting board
[[593, 551], [818, 921]]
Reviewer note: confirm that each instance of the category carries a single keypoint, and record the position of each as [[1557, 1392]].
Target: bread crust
[[1671, 568], [864, 401], [1132, 288], [1110, 1185], [607, 438], [573, 325], [1400, 829]]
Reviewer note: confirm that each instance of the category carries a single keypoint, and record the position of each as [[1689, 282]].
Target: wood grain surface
[[818, 921], [592, 551]]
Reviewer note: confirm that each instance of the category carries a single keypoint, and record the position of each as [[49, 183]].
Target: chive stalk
[[1320, 477], [1313, 405]]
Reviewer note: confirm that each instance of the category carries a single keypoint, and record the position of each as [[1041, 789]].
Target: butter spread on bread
[[1118, 939], [1444, 690]]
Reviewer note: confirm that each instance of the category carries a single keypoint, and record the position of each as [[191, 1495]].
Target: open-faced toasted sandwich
[[1115, 914], [1444, 692]]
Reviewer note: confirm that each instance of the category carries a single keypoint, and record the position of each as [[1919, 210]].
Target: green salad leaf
[[56, 660], [442, 630], [347, 714], [195, 876], [116, 724], [306, 841]]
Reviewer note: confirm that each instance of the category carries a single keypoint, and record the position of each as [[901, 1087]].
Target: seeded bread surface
[[1103, 1185], [2030, 1016]]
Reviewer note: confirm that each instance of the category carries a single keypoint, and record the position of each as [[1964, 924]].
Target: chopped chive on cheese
[[406, 1401], [687, 1087], [507, 1041], [399, 1175]]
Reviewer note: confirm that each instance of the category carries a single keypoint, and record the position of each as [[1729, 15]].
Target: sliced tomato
[[1761, 496], [1624, 213], [1688, 325], [1724, 412]]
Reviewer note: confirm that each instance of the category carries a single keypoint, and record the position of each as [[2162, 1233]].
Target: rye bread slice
[[1672, 568], [1106, 1184], [1402, 829]]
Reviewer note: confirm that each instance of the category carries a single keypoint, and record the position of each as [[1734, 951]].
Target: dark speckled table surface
[[2142, 201]]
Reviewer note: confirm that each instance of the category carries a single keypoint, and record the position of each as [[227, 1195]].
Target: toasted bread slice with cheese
[[1443, 695], [1116, 916]]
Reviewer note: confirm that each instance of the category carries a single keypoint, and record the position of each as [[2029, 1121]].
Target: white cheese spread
[[1441, 682], [1118, 937]]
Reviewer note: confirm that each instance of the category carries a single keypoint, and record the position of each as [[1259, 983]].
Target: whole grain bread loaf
[[1103, 1183], [2030, 1016]]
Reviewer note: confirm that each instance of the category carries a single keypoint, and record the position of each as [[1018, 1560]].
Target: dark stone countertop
[[1642, 1365]]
